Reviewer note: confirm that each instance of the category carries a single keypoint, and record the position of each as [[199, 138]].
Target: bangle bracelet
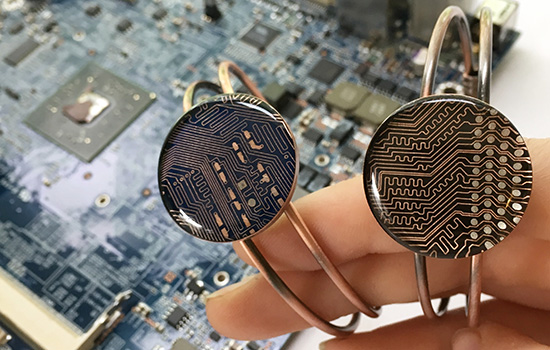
[[449, 176], [227, 171]]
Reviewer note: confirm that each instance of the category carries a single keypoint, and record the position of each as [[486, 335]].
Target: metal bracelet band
[[294, 217], [189, 96], [263, 265], [483, 92]]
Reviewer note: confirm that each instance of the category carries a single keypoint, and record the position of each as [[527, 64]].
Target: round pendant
[[228, 168], [448, 176]]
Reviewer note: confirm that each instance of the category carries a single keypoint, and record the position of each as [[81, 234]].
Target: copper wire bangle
[[250, 247], [483, 91], [292, 214]]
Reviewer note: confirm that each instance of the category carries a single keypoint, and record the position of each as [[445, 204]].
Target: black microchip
[[177, 317], [294, 59], [406, 94], [215, 336], [294, 89], [318, 182], [362, 69], [124, 25], [50, 26], [312, 44], [291, 110], [260, 36], [371, 79], [195, 286], [12, 94], [317, 97], [159, 14], [275, 94], [350, 153], [341, 132], [20, 52], [252, 346], [93, 10], [16, 28], [313, 135], [386, 86], [326, 71], [305, 175]]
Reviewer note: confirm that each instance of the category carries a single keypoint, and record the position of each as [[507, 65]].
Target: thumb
[[493, 336]]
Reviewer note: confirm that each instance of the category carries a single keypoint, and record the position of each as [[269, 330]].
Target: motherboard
[[89, 258]]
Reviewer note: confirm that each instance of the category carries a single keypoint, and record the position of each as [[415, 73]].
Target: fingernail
[[229, 289], [466, 339]]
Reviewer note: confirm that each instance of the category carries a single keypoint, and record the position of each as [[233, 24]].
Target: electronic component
[[375, 109], [371, 79], [350, 153], [326, 71], [317, 97], [276, 94], [4, 337], [93, 10], [405, 94], [215, 336], [260, 36], [363, 18], [16, 56], [346, 96], [211, 10], [50, 26], [313, 135], [295, 60], [341, 132], [386, 86], [12, 94], [182, 344], [83, 101], [318, 182], [294, 89], [177, 317], [311, 44], [195, 287], [305, 175], [159, 14], [291, 110], [16, 28], [124, 25]]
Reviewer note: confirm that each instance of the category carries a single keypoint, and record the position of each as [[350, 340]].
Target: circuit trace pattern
[[448, 177], [228, 168]]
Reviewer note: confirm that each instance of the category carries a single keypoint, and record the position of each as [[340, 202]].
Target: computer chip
[[375, 109], [86, 114], [326, 71], [260, 36], [346, 96]]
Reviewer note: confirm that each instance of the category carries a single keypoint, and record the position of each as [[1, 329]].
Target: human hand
[[516, 273]]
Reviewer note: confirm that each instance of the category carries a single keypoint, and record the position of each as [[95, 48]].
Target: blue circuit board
[[81, 223]]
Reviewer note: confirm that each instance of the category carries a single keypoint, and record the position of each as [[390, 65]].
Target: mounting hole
[[322, 160], [221, 278], [102, 200]]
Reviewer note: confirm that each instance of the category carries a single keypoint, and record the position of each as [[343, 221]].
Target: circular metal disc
[[448, 176], [228, 168]]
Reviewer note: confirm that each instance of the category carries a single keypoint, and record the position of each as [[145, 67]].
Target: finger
[[521, 276], [503, 326], [340, 219]]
